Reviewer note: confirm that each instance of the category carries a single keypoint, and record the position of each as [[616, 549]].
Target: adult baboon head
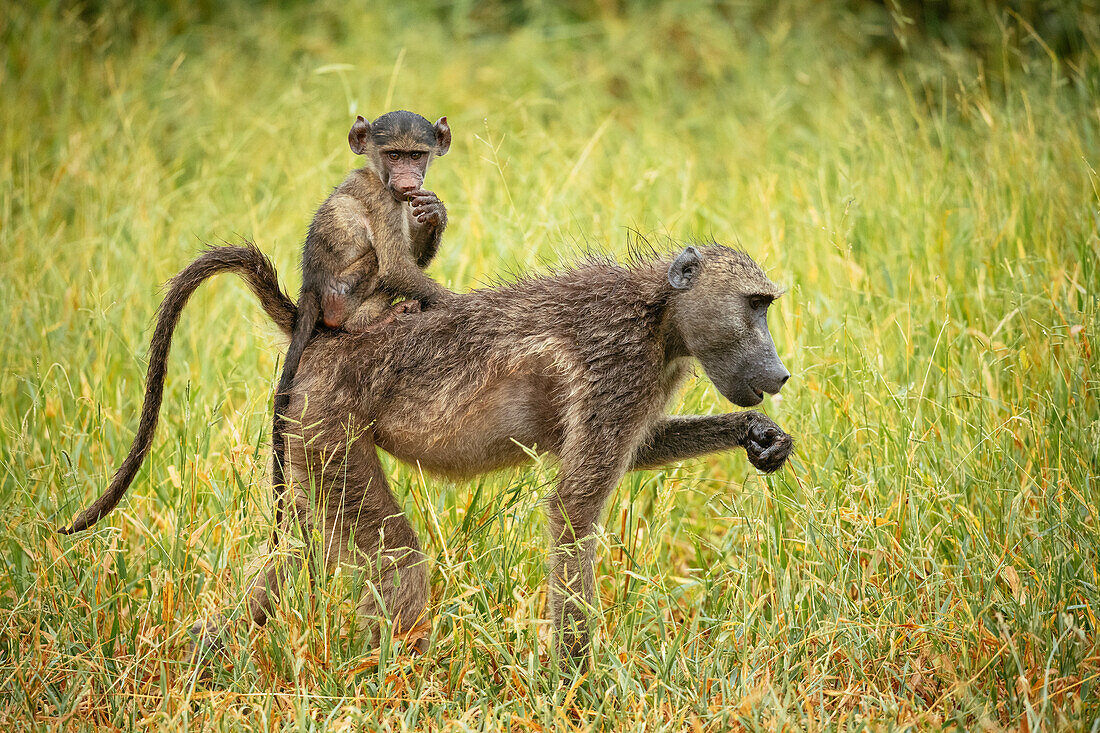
[[721, 314]]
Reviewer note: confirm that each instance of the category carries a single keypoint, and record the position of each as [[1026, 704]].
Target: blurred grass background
[[922, 177]]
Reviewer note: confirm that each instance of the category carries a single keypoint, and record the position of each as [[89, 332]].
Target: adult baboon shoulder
[[581, 364]]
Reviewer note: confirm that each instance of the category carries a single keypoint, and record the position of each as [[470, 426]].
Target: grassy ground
[[930, 555]]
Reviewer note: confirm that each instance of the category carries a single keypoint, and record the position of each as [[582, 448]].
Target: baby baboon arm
[[429, 219], [679, 438], [410, 282], [399, 277]]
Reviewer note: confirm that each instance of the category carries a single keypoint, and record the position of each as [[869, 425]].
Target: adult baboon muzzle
[[743, 378]]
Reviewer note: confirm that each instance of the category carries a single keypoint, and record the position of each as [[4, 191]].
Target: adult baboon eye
[[759, 303], [394, 156]]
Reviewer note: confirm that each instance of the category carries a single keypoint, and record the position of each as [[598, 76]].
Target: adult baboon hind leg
[[349, 518], [365, 530], [208, 633]]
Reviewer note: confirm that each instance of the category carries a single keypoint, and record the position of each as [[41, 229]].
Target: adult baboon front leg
[[572, 512], [680, 438]]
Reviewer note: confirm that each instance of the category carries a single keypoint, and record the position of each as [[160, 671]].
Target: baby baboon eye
[[394, 156], [415, 156]]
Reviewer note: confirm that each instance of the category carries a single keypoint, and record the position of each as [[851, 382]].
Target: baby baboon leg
[[334, 305]]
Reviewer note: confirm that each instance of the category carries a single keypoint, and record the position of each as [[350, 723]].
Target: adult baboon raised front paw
[[767, 445]]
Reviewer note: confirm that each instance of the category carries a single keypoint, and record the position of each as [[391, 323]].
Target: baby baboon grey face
[[399, 147], [721, 313]]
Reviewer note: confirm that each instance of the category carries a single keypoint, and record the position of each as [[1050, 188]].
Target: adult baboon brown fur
[[580, 363]]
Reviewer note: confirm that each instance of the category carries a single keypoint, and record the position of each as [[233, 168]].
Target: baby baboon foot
[[405, 307], [408, 306], [767, 445], [207, 638]]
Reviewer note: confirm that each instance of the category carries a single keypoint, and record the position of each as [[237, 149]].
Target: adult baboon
[[580, 363]]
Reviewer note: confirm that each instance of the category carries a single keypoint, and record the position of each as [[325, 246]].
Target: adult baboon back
[[581, 364]]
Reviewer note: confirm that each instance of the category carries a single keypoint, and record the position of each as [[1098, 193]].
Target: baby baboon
[[581, 363], [365, 247]]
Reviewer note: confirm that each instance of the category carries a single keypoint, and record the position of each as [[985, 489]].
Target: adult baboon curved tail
[[258, 272], [580, 363]]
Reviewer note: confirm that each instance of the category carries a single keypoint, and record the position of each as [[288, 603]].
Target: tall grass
[[929, 557]]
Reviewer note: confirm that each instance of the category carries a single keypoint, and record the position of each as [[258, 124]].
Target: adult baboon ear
[[685, 268], [442, 136], [359, 135]]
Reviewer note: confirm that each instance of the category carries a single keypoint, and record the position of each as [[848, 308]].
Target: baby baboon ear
[[442, 136], [359, 135], [685, 268]]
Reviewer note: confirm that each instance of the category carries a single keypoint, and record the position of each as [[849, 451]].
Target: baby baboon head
[[720, 309], [399, 147]]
